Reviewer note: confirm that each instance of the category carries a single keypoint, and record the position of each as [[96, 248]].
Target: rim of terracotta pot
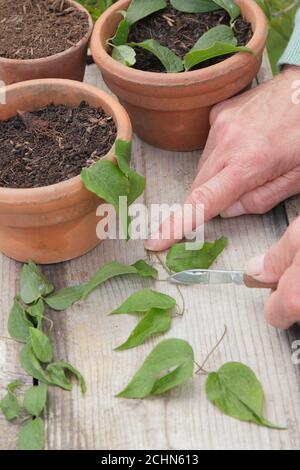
[[238, 60], [42, 60], [36, 196]]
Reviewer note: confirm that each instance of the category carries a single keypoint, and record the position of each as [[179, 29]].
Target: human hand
[[281, 264], [251, 161]]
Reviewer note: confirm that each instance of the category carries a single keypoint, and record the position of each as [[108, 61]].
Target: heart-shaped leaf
[[221, 33], [174, 354], [9, 404], [31, 365], [237, 392]]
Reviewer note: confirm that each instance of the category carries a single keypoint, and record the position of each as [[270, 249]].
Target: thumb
[[269, 267], [214, 196]]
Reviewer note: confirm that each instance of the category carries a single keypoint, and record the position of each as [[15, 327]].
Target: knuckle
[[292, 301], [220, 115], [256, 205], [202, 195]]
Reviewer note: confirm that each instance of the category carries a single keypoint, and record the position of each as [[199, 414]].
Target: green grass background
[[281, 14]]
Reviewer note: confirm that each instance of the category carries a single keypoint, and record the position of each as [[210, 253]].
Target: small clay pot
[[68, 64], [171, 111], [58, 222]]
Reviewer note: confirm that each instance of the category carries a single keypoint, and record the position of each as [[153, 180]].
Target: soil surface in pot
[[52, 144], [32, 29], [179, 32]]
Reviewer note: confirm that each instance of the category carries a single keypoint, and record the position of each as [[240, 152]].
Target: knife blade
[[207, 276]]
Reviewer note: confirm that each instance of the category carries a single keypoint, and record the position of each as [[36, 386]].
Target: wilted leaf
[[57, 372], [169, 354]]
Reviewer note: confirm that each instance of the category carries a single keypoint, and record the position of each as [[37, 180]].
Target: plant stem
[[201, 368]]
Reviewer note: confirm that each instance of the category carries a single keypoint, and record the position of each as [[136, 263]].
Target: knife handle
[[255, 284]]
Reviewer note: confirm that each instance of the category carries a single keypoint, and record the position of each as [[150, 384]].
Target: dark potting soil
[[52, 144], [179, 32], [32, 29]]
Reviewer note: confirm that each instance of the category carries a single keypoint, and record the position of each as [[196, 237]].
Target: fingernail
[[235, 210], [154, 243], [255, 266]]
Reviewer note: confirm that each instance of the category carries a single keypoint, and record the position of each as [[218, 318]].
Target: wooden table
[[85, 336]]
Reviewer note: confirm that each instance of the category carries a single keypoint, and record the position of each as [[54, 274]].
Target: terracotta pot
[[67, 64], [171, 111], [58, 222]]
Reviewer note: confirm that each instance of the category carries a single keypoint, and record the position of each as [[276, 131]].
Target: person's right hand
[[251, 161], [281, 264]]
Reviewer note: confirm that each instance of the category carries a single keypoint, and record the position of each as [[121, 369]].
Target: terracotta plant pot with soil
[[58, 222], [69, 62], [171, 110]]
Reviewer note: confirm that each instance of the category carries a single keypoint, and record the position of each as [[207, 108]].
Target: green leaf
[[237, 392], [41, 345], [107, 181], [124, 54], [65, 297], [170, 353], [221, 33], [123, 151], [31, 364], [154, 322], [35, 399], [195, 6], [12, 386], [9, 404], [36, 310], [144, 269], [31, 435], [144, 300], [231, 7], [121, 36], [170, 61], [114, 269], [218, 49], [34, 284], [18, 324], [137, 185], [57, 372], [140, 9], [180, 258]]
